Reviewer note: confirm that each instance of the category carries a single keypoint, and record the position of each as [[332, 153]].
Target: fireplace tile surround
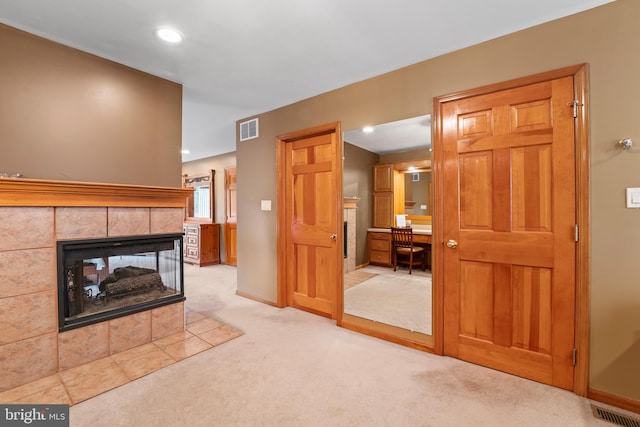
[[35, 214], [76, 384]]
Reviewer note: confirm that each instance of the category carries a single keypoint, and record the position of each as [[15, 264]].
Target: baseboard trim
[[255, 298], [614, 400]]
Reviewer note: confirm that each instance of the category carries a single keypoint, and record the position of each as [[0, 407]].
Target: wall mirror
[[417, 190], [417, 187], [200, 206], [377, 299]]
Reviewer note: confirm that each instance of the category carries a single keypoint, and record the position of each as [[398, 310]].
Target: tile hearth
[[83, 382]]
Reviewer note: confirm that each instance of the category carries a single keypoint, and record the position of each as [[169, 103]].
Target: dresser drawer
[[379, 257], [381, 236], [191, 230], [380, 245], [191, 240], [192, 252]]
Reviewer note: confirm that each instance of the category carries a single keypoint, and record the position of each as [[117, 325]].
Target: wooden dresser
[[379, 248], [201, 243]]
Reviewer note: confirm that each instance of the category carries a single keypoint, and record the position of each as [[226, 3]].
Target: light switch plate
[[633, 197], [265, 205]]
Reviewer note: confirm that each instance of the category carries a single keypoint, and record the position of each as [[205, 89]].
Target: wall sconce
[[625, 144]]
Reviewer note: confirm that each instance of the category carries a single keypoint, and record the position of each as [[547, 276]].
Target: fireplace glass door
[[106, 278]]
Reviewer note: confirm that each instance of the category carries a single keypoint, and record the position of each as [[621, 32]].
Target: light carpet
[[397, 300], [292, 368]]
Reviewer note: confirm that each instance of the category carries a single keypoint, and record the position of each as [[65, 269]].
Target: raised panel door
[[312, 162], [509, 199]]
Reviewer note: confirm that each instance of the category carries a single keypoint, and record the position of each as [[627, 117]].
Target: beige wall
[[606, 38], [357, 181], [218, 164], [68, 115]]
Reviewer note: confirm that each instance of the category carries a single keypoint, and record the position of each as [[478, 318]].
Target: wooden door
[[312, 258], [509, 230], [230, 218]]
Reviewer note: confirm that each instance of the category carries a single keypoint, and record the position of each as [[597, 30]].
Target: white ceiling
[[401, 135], [244, 57]]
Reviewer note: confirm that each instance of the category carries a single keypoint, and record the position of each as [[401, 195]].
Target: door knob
[[452, 244], [334, 236]]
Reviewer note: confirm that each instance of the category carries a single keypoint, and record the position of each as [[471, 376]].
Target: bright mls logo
[[34, 415]]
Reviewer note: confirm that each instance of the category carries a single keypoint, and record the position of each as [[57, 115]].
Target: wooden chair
[[403, 250]]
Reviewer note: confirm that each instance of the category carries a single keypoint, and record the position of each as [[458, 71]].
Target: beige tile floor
[[86, 381]]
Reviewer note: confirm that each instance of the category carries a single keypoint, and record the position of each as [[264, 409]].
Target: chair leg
[[395, 260], [410, 261]]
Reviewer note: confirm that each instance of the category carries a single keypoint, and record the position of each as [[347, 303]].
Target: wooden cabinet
[[382, 210], [201, 243], [388, 195], [379, 248], [383, 177]]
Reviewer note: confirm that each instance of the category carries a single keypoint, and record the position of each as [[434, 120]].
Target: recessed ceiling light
[[168, 34], [367, 129], [185, 152]]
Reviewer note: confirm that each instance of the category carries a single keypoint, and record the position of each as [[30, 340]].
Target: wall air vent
[[249, 129]]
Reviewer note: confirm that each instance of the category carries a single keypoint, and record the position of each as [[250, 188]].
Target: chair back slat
[[402, 237]]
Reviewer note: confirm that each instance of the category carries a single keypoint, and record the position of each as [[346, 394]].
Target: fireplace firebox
[[101, 279]]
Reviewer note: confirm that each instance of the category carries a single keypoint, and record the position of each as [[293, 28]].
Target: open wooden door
[[230, 215], [509, 224], [310, 225]]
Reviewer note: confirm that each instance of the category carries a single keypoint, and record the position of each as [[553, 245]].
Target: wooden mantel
[[350, 202], [35, 192]]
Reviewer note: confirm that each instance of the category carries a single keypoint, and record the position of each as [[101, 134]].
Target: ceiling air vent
[[249, 129]]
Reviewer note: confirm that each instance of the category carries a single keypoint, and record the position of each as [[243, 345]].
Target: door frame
[[580, 74], [282, 226]]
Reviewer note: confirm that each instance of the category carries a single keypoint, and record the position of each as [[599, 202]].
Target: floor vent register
[[615, 417]]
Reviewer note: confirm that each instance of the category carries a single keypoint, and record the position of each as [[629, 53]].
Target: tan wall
[[68, 115], [218, 164], [357, 181], [606, 38]]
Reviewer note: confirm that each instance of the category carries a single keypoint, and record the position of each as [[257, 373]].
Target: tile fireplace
[[35, 216]]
